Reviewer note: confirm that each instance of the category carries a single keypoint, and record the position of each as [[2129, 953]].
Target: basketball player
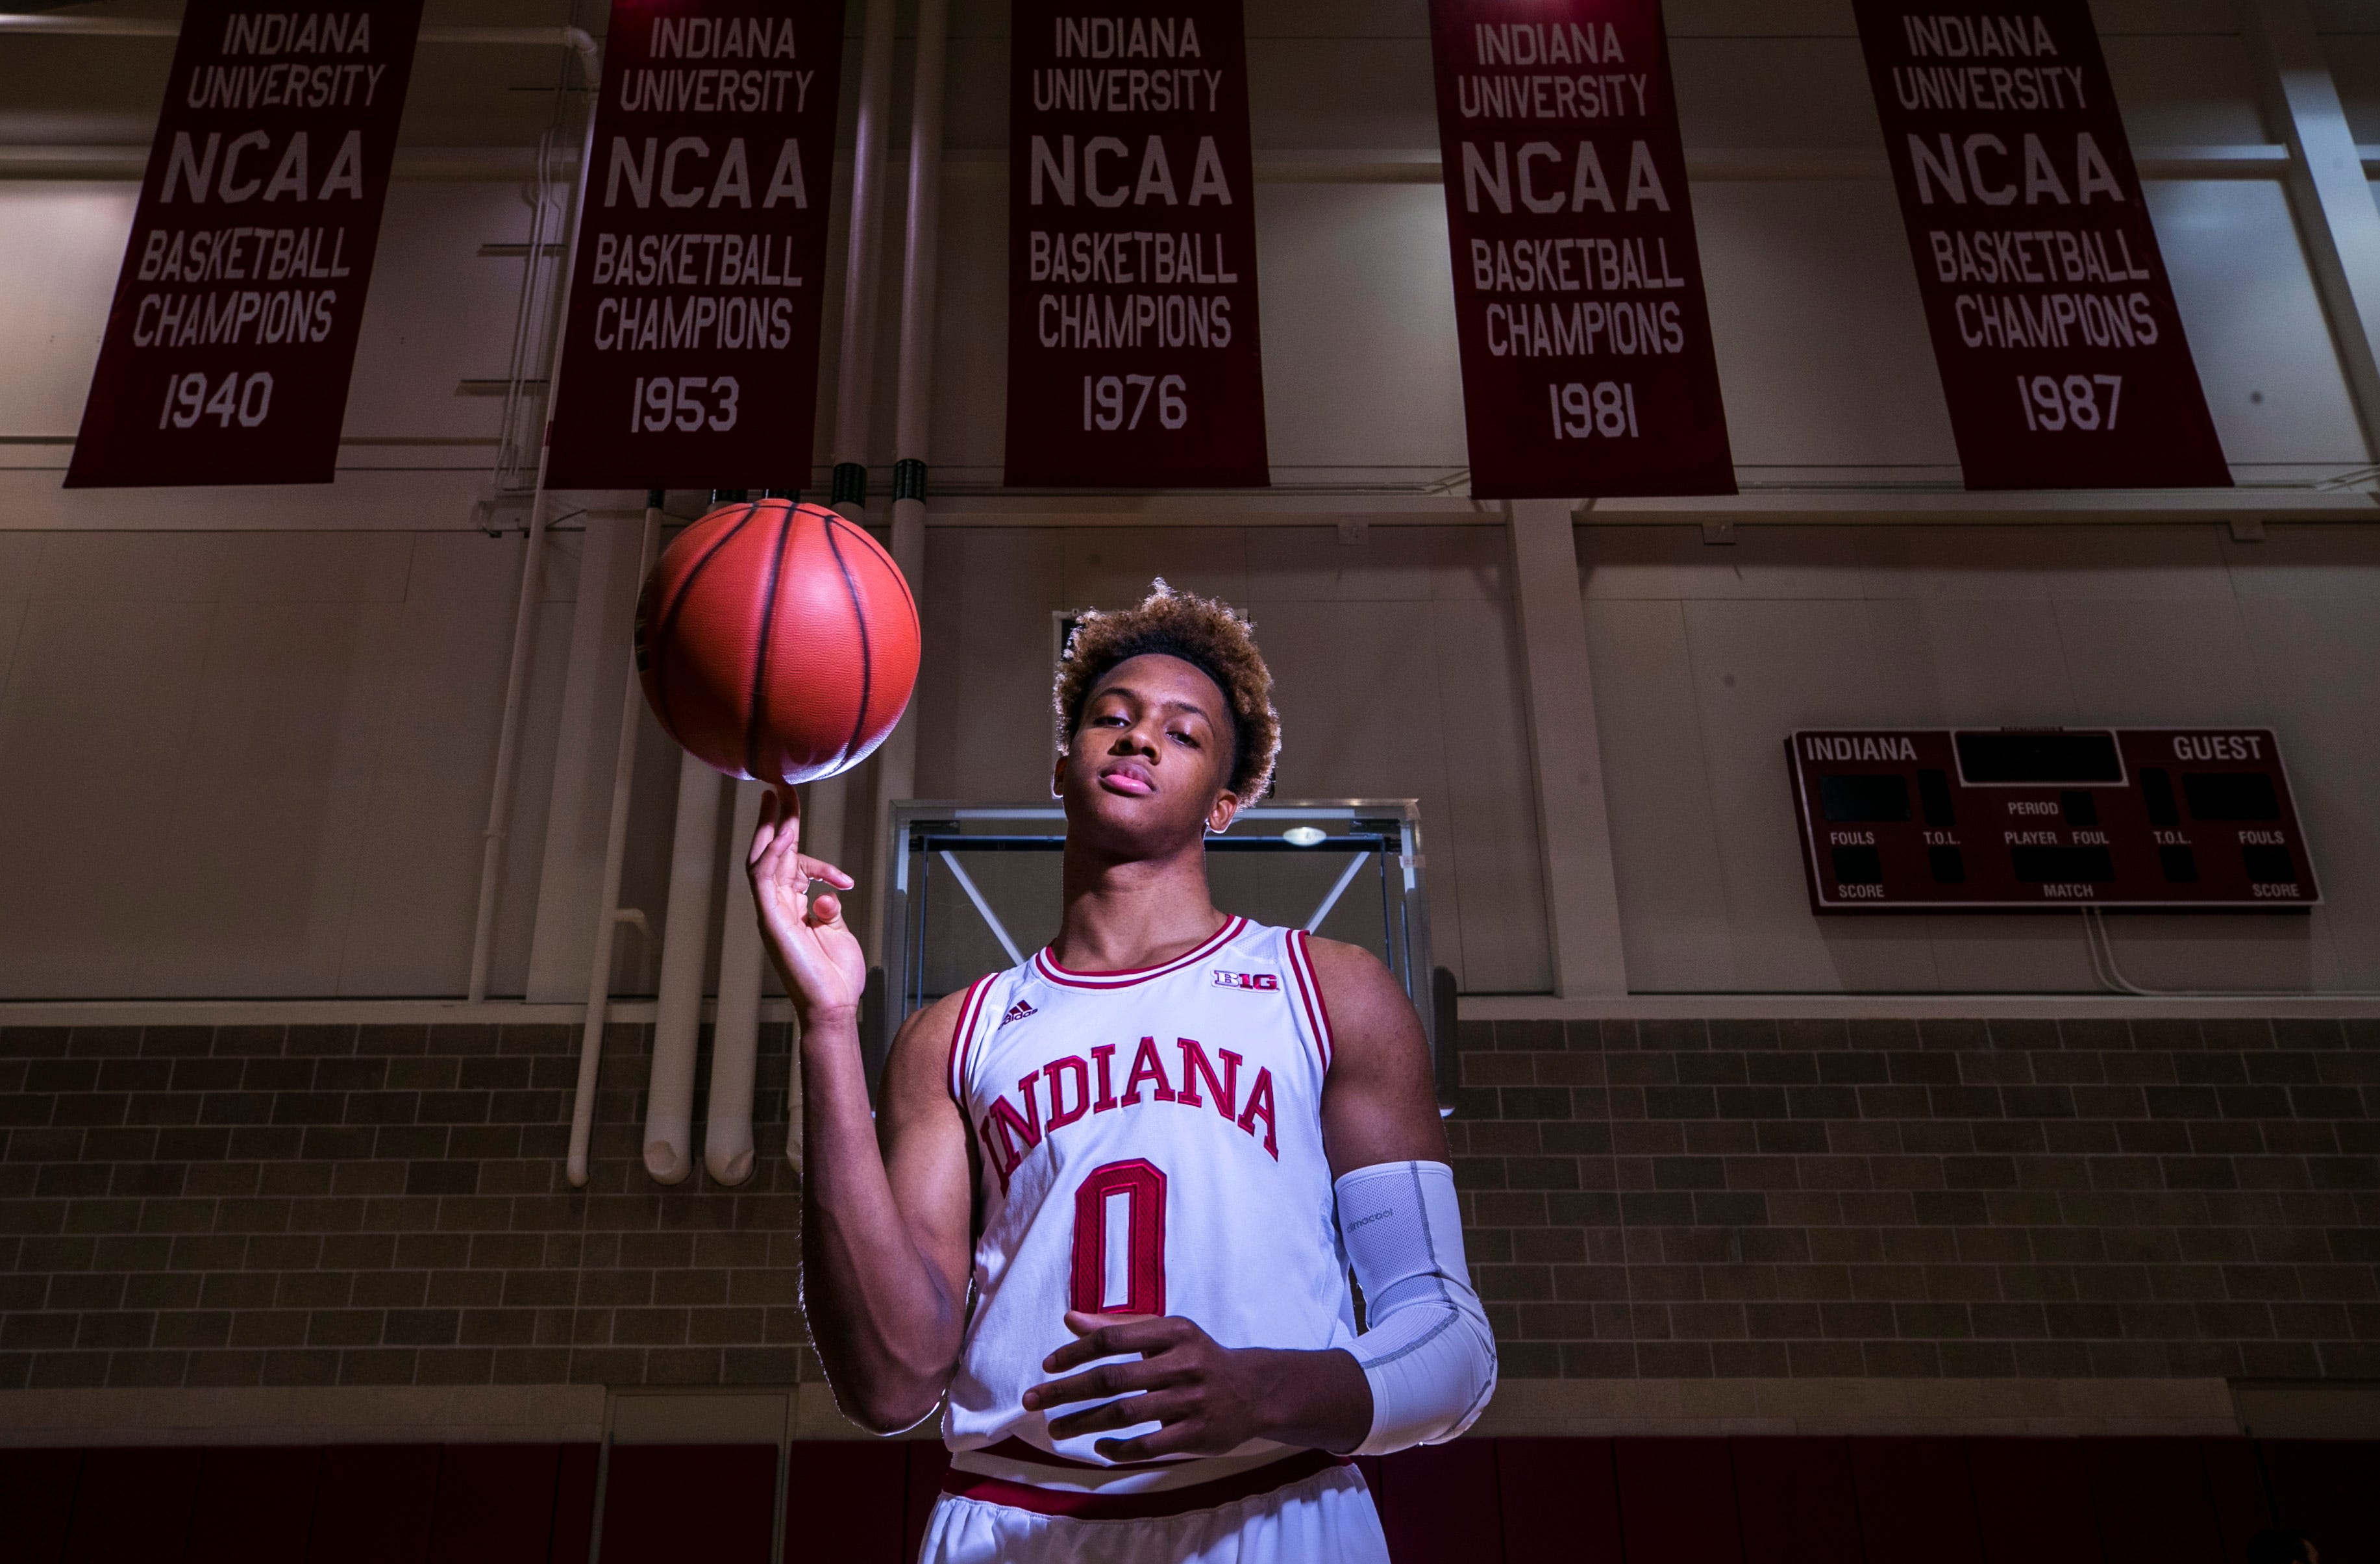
[[1106, 1214]]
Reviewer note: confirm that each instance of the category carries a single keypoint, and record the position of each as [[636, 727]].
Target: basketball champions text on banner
[[1132, 353], [691, 359], [2061, 354], [1587, 366], [233, 331]]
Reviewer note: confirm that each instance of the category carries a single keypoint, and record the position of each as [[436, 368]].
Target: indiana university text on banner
[[691, 355], [2062, 356], [1132, 353], [233, 331], [1587, 366]]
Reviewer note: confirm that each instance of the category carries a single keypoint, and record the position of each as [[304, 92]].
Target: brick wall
[[1920, 1199], [384, 1204]]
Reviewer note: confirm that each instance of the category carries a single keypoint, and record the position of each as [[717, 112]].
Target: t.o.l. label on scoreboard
[[1588, 365], [233, 332], [691, 359], [1132, 353], [2061, 354]]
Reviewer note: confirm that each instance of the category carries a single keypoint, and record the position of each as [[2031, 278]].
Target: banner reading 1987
[[691, 355], [1132, 353], [2061, 353], [1588, 365], [233, 333]]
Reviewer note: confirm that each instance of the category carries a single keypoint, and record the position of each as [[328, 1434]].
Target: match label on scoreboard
[[2015, 819]]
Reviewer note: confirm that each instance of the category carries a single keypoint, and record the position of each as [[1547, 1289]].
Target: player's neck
[[1122, 914]]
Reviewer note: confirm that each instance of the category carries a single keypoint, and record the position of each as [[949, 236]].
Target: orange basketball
[[777, 641]]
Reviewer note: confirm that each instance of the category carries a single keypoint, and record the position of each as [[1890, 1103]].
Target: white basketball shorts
[[1326, 1518]]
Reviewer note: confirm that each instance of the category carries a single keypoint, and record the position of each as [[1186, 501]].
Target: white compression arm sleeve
[[1430, 1354]]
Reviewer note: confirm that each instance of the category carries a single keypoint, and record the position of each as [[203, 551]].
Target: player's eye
[[1182, 735]]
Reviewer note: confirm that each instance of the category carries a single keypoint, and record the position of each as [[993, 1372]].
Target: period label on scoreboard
[[1134, 358], [691, 359], [1934, 820], [2061, 354], [1588, 364], [232, 335]]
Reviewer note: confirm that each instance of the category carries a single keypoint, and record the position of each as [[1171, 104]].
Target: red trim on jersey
[[970, 1012], [1139, 1507], [1047, 967], [1309, 995], [1305, 954]]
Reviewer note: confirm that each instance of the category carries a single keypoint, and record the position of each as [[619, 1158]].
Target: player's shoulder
[[921, 1050], [933, 1026], [1338, 963]]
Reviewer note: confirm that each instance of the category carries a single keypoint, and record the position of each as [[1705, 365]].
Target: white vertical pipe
[[616, 852], [736, 1032], [856, 369], [897, 763], [525, 611], [677, 1017], [822, 822]]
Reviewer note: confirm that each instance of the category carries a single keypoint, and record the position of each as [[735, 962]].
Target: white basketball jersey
[[1150, 1142]]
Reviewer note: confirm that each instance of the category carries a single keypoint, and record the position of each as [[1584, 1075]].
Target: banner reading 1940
[[1588, 365], [1132, 353], [2061, 353], [691, 355], [232, 332]]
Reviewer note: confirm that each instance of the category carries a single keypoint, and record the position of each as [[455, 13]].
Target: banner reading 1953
[[232, 332], [1132, 353], [1588, 365], [2061, 354], [691, 355]]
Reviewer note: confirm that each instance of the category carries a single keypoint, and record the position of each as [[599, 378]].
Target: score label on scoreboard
[[1950, 819]]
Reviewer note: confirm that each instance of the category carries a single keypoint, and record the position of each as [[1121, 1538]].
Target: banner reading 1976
[[1588, 365], [2061, 353], [691, 355], [232, 332], [1133, 352]]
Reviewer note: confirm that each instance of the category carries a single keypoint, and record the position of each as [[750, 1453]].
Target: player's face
[[1151, 758]]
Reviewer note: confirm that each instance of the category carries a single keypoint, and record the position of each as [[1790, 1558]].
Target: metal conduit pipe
[[736, 1031], [615, 853], [677, 1015], [576, 40], [525, 610], [897, 763]]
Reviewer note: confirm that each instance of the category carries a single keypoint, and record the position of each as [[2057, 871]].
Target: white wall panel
[[61, 245]]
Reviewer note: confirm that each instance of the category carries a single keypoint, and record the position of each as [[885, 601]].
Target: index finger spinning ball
[[777, 641]]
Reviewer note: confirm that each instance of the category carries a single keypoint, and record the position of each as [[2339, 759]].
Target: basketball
[[777, 641]]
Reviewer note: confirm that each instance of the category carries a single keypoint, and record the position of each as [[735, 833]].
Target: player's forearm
[[879, 1315], [1320, 1400]]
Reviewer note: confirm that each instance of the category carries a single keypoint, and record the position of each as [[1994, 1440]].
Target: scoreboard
[[1920, 819]]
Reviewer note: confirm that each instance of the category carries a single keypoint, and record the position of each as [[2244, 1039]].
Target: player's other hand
[[817, 956], [1211, 1398]]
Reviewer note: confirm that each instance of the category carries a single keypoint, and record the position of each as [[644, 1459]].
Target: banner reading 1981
[[1133, 353], [1588, 365], [233, 333], [691, 355], [2061, 354]]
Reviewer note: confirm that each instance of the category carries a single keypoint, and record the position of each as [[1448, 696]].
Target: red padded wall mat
[[1795, 1501], [1559, 1499], [845, 1499], [132, 1505], [373, 1504], [255, 1504], [495, 1504], [37, 1489], [666, 1504], [1916, 1502], [1439, 1503], [1677, 1501], [2330, 1488]]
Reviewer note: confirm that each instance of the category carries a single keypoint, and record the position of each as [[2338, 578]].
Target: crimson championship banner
[[1133, 353], [1587, 366], [232, 335], [691, 355], [2061, 354]]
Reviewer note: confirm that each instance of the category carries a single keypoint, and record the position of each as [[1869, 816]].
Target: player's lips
[[1128, 778]]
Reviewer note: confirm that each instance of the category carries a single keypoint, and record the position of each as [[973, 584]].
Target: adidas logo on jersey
[[1016, 1012], [1266, 981]]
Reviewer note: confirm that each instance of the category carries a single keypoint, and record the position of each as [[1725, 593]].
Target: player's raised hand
[[819, 958], [1208, 1398]]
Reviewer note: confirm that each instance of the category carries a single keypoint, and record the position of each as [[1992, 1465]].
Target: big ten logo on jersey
[[1264, 982], [1009, 1132]]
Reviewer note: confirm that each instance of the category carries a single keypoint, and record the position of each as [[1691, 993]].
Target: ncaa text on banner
[[2061, 354], [691, 353], [1132, 353], [233, 332], [1587, 366]]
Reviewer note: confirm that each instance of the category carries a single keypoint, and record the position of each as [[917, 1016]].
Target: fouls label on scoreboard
[[1134, 358], [232, 335], [691, 359], [1588, 365]]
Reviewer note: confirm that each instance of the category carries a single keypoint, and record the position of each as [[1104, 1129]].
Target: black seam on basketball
[[760, 658], [677, 605], [859, 618]]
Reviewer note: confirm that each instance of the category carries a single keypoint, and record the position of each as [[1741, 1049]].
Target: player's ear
[[1221, 812], [1057, 775]]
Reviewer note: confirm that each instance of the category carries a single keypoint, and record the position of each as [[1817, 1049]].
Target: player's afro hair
[[1207, 634]]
